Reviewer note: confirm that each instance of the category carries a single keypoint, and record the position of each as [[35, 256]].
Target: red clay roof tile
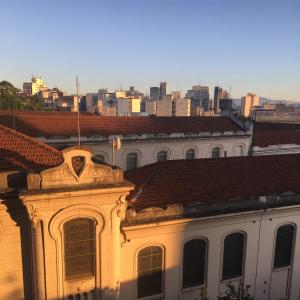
[[266, 134], [203, 180], [64, 124], [21, 152]]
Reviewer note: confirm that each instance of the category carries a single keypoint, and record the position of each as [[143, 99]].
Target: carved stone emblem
[[78, 163]]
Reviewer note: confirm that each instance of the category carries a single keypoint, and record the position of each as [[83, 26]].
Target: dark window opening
[[284, 246], [233, 256], [131, 161], [194, 263], [216, 152], [190, 154], [162, 156], [79, 245], [150, 273]]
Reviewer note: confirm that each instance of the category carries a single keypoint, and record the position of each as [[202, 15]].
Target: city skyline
[[252, 46]]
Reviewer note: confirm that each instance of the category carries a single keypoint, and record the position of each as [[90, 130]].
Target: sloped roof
[[64, 124], [267, 134], [212, 180], [20, 152]]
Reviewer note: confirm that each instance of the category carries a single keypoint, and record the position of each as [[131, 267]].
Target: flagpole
[[78, 103]]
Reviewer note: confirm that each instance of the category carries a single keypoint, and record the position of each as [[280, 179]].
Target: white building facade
[[76, 234]]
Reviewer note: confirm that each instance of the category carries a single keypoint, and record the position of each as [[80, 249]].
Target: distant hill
[[263, 100]]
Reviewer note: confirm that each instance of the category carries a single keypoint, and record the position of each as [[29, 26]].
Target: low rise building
[[71, 228], [145, 140], [275, 138]]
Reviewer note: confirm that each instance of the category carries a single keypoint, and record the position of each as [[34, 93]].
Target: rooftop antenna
[[78, 102], [229, 94]]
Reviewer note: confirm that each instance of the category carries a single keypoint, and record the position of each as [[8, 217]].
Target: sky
[[250, 45]]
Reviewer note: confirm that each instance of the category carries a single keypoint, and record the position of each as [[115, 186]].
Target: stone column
[[38, 260]]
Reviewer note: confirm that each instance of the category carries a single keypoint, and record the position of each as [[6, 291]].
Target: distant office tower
[[199, 96], [162, 90], [248, 102], [217, 96], [225, 105], [154, 93]]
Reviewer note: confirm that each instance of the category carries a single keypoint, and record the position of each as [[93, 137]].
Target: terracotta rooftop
[[20, 152], [64, 124], [266, 134], [209, 180]]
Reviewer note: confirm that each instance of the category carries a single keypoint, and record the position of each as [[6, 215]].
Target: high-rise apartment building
[[162, 90], [36, 85], [248, 102]]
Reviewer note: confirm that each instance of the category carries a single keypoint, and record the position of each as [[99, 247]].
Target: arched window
[[190, 154], [216, 152], [233, 255], [150, 272], [162, 156], [284, 246], [99, 158], [79, 246], [131, 161], [194, 263]]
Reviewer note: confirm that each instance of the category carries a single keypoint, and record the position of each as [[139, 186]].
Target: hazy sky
[[254, 45]]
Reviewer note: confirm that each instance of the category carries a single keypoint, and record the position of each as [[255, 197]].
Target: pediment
[[79, 169]]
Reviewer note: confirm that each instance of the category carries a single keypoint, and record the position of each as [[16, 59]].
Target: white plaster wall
[[147, 150], [172, 236]]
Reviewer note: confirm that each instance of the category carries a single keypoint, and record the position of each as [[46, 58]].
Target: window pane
[[190, 154], [194, 263], [216, 152], [233, 256], [162, 156], [149, 272], [131, 161], [79, 244], [284, 246]]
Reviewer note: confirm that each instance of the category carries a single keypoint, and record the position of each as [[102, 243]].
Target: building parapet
[[200, 209]]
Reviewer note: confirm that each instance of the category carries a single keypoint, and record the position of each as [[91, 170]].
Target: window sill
[[281, 268], [192, 288], [153, 297], [224, 281], [80, 278]]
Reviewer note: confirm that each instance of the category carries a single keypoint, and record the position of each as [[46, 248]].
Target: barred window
[[150, 272], [194, 263], [131, 161], [162, 156], [216, 152], [233, 256], [190, 154], [79, 246], [284, 246]]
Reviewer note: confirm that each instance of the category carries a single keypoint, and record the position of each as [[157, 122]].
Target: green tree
[[12, 99], [9, 96]]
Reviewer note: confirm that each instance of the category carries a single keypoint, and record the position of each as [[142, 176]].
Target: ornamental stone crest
[[78, 169]]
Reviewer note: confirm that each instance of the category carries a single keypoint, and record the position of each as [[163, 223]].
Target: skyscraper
[[162, 90], [154, 93], [217, 96]]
